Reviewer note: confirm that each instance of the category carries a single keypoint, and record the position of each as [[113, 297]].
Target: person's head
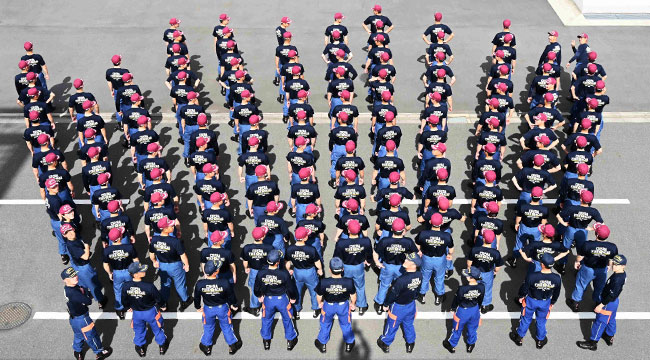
[[540, 119], [217, 238], [536, 194], [68, 232], [439, 149], [67, 211], [52, 186], [115, 235], [547, 260], [70, 276], [583, 169], [443, 203], [338, 17], [602, 231], [473, 274], [287, 37], [336, 266], [376, 9], [103, 178], [499, 54], [398, 227], [158, 198], [43, 139], [127, 79], [78, 84], [504, 70], [583, 38], [303, 95], [259, 233], [224, 19], [253, 143], [273, 258], [301, 234], [507, 39], [488, 237], [506, 24], [547, 231], [192, 96], [301, 143], [312, 210], [273, 207], [174, 23], [114, 206], [217, 198], [304, 174], [137, 270], [442, 174], [552, 36], [260, 172], [116, 60], [436, 221], [246, 96], [412, 261], [492, 208], [490, 150], [395, 200], [354, 227], [618, 263], [166, 225], [391, 146], [350, 176], [28, 46], [343, 117], [600, 86], [538, 161], [285, 22], [52, 160], [352, 205], [350, 147], [212, 267], [154, 149], [437, 17], [493, 103], [551, 56]]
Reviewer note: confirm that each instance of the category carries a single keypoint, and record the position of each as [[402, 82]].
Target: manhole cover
[[13, 315]]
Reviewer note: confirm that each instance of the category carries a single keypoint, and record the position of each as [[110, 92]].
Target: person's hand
[[319, 272], [110, 276], [573, 43], [420, 154], [599, 308], [385, 308], [449, 257], [130, 310], [186, 267], [291, 272], [516, 227], [242, 180], [72, 195], [521, 301], [260, 299], [199, 310], [176, 209], [293, 301], [234, 308], [156, 264], [577, 265], [247, 270], [47, 77], [379, 265], [529, 99], [568, 65]]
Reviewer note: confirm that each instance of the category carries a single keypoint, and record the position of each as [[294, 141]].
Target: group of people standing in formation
[[280, 264]]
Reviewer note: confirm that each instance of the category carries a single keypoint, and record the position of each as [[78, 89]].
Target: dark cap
[[619, 260], [472, 272], [68, 273], [273, 256], [137, 267], [336, 264], [547, 259], [414, 258], [212, 266]]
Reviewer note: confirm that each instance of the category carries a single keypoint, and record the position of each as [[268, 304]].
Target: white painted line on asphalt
[[41, 202], [514, 201], [307, 315]]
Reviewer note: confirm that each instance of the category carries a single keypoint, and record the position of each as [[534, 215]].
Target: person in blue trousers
[[465, 310], [307, 268], [80, 260], [436, 247], [336, 296], [276, 290], [355, 250], [219, 302], [83, 327], [605, 324], [145, 302], [537, 295], [53, 204], [400, 304], [488, 260], [254, 259], [116, 258]]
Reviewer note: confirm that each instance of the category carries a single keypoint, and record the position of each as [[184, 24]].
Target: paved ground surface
[[29, 263]]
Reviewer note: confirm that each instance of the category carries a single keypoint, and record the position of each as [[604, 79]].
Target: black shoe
[[609, 340], [231, 123], [276, 81], [65, 259], [332, 184], [420, 299], [409, 347], [316, 313], [223, 91], [560, 268], [141, 351], [102, 303], [379, 308], [267, 344], [98, 225], [447, 345], [285, 119], [349, 347], [78, 355], [292, 343], [257, 312], [120, 314], [373, 159], [186, 303], [382, 345], [186, 162], [489, 308], [437, 300], [573, 305], [181, 141], [369, 99], [320, 346], [448, 274], [292, 213], [177, 126], [362, 310], [516, 338], [226, 105], [118, 127], [589, 345], [104, 353], [232, 349], [53, 233], [470, 347], [207, 350], [511, 262], [363, 66], [248, 213], [163, 348], [540, 343], [235, 138], [124, 142]]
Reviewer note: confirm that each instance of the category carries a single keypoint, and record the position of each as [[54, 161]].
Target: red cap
[[592, 56], [443, 203], [158, 197], [273, 206], [345, 94], [301, 115], [240, 74], [338, 16], [342, 115], [127, 77], [379, 24], [433, 119], [386, 95], [442, 174], [384, 56], [313, 209], [295, 70], [174, 21], [65, 228], [551, 81], [182, 75], [217, 197], [245, 94], [593, 103], [350, 174], [303, 94], [488, 236], [42, 138], [390, 145], [553, 33], [116, 59], [65, 209], [31, 76], [176, 48], [103, 178], [380, 38], [260, 170], [537, 192], [90, 133], [494, 102], [376, 8], [253, 141], [600, 85], [304, 173], [398, 225], [52, 157], [22, 64], [395, 200], [490, 176], [155, 173], [393, 177], [226, 30], [440, 56], [436, 96], [548, 97], [490, 148], [583, 35], [547, 230], [300, 141], [88, 104], [437, 16], [602, 231], [209, 168], [201, 141], [507, 23], [114, 205], [585, 123], [340, 71], [218, 237], [492, 207], [441, 35], [153, 147], [502, 87], [192, 94], [592, 68], [436, 220], [583, 169], [234, 61], [287, 35], [337, 35], [177, 33], [581, 142], [383, 73], [547, 67], [389, 116], [78, 83], [28, 45], [350, 146], [351, 204], [538, 160], [223, 17], [165, 222], [202, 119], [143, 120], [137, 97], [285, 20], [543, 139], [34, 115], [354, 227], [551, 55], [586, 196], [116, 233], [439, 147], [302, 233], [259, 232], [540, 117], [230, 44], [340, 52], [33, 92], [441, 73], [51, 183], [499, 54], [92, 152], [508, 38]]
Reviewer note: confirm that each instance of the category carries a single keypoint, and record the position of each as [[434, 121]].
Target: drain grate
[[13, 315]]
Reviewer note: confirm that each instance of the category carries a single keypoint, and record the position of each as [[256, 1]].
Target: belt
[[339, 303], [538, 299], [76, 316], [408, 303], [275, 297], [469, 307]]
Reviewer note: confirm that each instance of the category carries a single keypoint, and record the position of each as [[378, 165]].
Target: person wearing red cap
[[488, 130], [433, 32], [166, 190], [374, 37], [179, 94], [116, 219], [509, 53], [340, 59], [439, 85], [31, 90], [435, 192], [529, 217], [437, 247], [253, 257], [532, 252], [55, 202], [202, 156], [313, 222], [553, 47], [349, 190], [499, 37], [581, 53], [335, 87], [377, 88], [487, 259], [222, 31], [303, 194], [238, 92], [390, 253], [342, 138], [577, 220], [574, 158], [154, 160], [529, 177], [376, 49], [594, 117], [302, 134], [583, 104], [570, 189], [114, 75], [182, 65], [177, 45], [167, 253], [174, 62], [218, 250], [386, 217], [432, 72], [285, 21], [542, 147], [428, 173], [349, 161], [370, 23], [189, 125], [36, 64], [283, 49], [141, 139], [287, 71], [102, 197], [432, 131], [229, 58], [34, 100], [385, 134], [38, 137], [159, 210], [299, 157], [336, 26], [20, 80], [116, 258], [77, 100], [292, 87], [538, 130], [487, 163], [91, 125], [123, 95], [277, 232], [438, 45], [249, 160], [130, 118], [593, 260], [590, 68], [305, 265], [379, 112], [385, 165], [261, 192], [352, 213], [93, 169], [302, 107], [168, 34]]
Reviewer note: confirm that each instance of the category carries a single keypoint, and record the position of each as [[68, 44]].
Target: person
[[96, 173], [352, 209], [217, 251], [144, 301], [180, 95], [498, 39], [400, 304], [488, 261], [116, 258], [528, 178], [348, 161], [168, 34], [305, 265], [77, 301], [276, 231], [605, 324], [594, 258], [581, 53], [219, 302], [77, 100], [254, 259], [303, 194], [117, 220], [217, 218], [529, 216], [167, 253], [114, 75], [315, 225], [261, 192], [465, 310], [553, 47], [275, 289], [532, 252], [436, 247], [537, 295], [80, 260], [189, 125], [35, 102], [370, 24], [36, 63], [123, 95], [355, 251], [91, 125], [336, 296], [433, 31], [20, 80], [53, 205]]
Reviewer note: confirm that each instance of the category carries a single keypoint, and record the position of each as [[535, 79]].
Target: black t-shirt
[[214, 292], [433, 30], [393, 250], [275, 224], [336, 27], [32, 133], [131, 115], [145, 166], [528, 178], [349, 162], [498, 39], [199, 158], [379, 112], [77, 99], [142, 138], [434, 243], [35, 62], [167, 249], [76, 249], [262, 192], [154, 214], [190, 114], [485, 258], [250, 160], [354, 251], [114, 75], [61, 176], [532, 215], [387, 164], [300, 160], [372, 21], [346, 192], [341, 135], [305, 193], [93, 121], [331, 49], [405, 289], [216, 254], [119, 257], [255, 255], [217, 219], [302, 257], [336, 290]]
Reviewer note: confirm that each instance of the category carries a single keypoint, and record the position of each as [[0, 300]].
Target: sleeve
[[292, 290], [523, 290], [597, 216], [126, 301], [556, 290], [498, 262], [180, 249], [258, 288], [393, 293], [456, 301], [197, 296], [232, 299]]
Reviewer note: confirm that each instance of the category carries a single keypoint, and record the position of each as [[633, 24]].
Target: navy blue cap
[[336, 264], [414, 258], [547, 259], [68, 273], [619, 260], [273, 256], [212, 266], [136, 267], [472, 272]]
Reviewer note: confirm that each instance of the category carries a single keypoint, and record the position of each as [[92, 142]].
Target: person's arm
[[451, 36], [450, 102], [86, 254], [365, 27], [46, 72], [186, 264], [71, 111], [426, 41], [453, 81]]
